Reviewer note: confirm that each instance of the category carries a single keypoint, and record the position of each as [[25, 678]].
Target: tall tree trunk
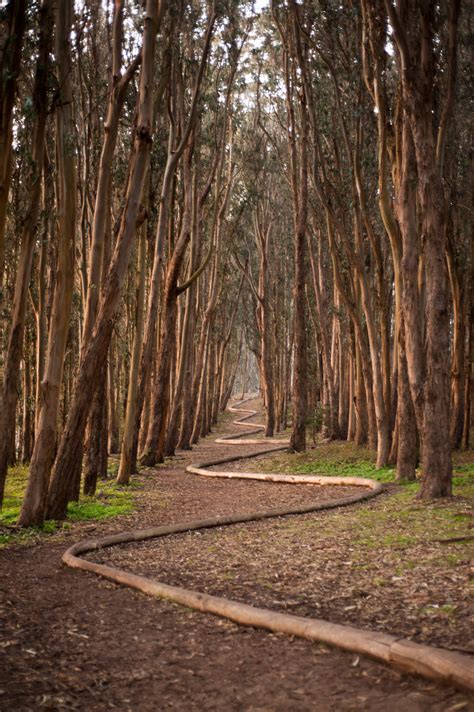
[[300, 381], [95, 354], [469, 392], [20, 300], [155, 445], [33, 507], [457, 357], [97, 270], [27, 426], [360, 402], [125, 467], [267, 348], [414, 37], [40, 313], [201, 391], [186, 424], [113, 438], [174, 154], [15, 12], [406, 423], [187, 331], [332, 420]]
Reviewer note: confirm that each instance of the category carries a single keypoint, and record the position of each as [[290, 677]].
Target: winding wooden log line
[[435, 663]]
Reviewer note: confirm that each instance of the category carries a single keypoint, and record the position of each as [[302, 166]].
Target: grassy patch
[[14, 490], [110, 500], [338, 458], [401, 522], [345, 459]]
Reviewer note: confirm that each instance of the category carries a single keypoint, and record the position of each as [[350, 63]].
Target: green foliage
[[398, 523], [109, 501], [14, 490], [349, 460], [341, 459]]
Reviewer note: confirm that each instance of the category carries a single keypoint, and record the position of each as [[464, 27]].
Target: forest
[[209, 202]]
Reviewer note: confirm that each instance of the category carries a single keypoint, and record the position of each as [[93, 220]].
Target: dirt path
[[70, 641]]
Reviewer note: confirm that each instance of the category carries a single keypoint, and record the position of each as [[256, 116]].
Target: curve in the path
[[256, 428], [435, 663]]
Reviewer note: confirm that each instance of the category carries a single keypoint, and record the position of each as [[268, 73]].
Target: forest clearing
[[236, 355]]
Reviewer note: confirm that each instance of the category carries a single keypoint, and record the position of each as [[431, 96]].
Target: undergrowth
[[349, 460], [110, 500], [401, 520]]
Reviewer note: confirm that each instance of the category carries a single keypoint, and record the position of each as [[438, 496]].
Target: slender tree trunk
[[20, 300], [40, 315], [27, 427], [436, 442], [262, 238], [414, 37], [113, 437], [381, 417], [300, 383], [183, 369], [15, 12], [457, 358], [406, 213], [126, 465], [201, 394], [174, 155], [187, 405], [351, 418], [332, 420], [360, 402], [155, 445], [407, 453], [469, 392], [33, 507], [95, 466], [97, 269], [95, 354]]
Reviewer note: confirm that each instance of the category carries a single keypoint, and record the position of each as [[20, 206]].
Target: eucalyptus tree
[[415, 36], [46, 436], [13, 30], [40, 96], [96, 350], [181, 144]]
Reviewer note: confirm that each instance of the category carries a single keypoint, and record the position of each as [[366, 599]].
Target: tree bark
[[96, 350], [126, 466], [20, 301], [155, 445], [413, 35], [33, 507], [15, 12], [407, 449]]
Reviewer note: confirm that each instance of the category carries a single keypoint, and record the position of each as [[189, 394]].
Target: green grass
[[109, 501], [336, 458], [398, 523], [14, 490], [350, 460]]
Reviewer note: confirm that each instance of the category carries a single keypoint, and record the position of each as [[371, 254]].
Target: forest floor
[[71, 641]]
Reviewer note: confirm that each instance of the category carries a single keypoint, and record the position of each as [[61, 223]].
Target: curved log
[[435, 663]]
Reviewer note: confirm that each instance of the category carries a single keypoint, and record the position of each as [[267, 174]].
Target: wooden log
[[435, 663]]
